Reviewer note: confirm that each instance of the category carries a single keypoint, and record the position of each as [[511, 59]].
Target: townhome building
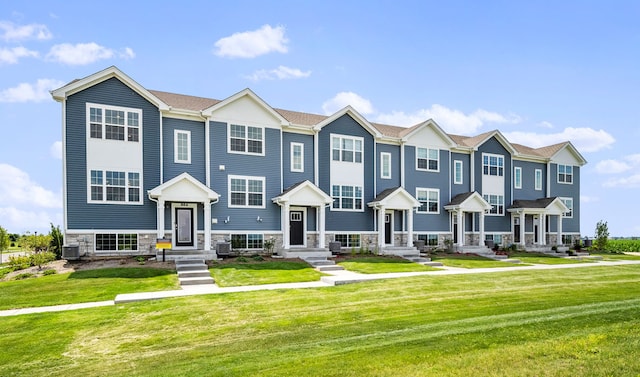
[[141, 165]]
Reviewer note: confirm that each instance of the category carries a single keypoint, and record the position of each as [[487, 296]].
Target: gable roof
[[183, 187], [468, 202], [241, 94], [395, 198], [303, 193], [429, 123], [552, 206], [348, 110]]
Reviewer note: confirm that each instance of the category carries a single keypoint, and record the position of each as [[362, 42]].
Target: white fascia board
[[573, 150], [208, 112], [355, 115], [436, 128]]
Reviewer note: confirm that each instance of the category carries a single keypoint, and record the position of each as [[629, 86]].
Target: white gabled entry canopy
[[396, 198], [304, 194], [184, 188], [552, 206], [468, 202]]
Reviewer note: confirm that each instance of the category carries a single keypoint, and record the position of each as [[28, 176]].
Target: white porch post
[[559, 240], [460, 227], [207, 225], [321, 227], [541, 230], [160, 218], [381, 211], [285, 226], [523, 242], [409, 214], [481, 241]]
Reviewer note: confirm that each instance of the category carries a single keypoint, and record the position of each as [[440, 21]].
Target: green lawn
[[84, 286], [607, 256], [267, 272], [470, 261], [379, 265], [569, 322], [539, 258]]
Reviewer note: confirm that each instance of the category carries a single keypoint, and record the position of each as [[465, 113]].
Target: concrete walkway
[[335, 278]]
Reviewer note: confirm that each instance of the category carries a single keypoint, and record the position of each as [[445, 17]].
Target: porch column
[[541, 230], [559, 240], [381, 211], [481, 241], [285, 226], [523, 242], [460, 227], [409, 214], [207, 225], [321, 228], [160, 218]]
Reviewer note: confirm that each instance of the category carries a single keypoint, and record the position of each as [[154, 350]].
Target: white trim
[[104, 186], [391, 214], [64, 169], [246, 178], [489, 155], [488, 200], [437, 160], [427, 190], [517, 173], [537, 184], [246, 139], [293, 145], [455, 167], [382, 163], [207, 152], [176, 154], [342, 137], [354, 197], [565, 174], [564, 200]]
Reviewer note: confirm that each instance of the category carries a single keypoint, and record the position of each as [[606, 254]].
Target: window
[[497, 203], [297, 157], [427, 159], [346, 149], [116, 242], [538, 177], [457, 172], [565, 174], [114, 186], [569, 203], [182, 147], [385, 165], [567, 239], [429, 239], [496, 238], [246, 191], [347, 197], [493, 165], [429, 200], [247, 241], [517, 177], [246, 139], [114, 123], [348, 240]]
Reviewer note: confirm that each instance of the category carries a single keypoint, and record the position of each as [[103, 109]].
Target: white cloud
[[280, 73], [27, 92], [17, 220], [612, 167], [588, 199], [127, 53], [250, 44], [585, 139], [343, 99], [79, 54], [14, 33], [56, 150], [629, 164], [545, 124], [11, 55], [17, 188], [632, 181]]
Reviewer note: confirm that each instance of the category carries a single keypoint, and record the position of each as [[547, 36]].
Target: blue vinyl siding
[[383, 184], [197, 166], [528, 191], [290, 178], [82, 215], [268, 166], [493, 146], [343, 220], [570, 191], [466, 176]]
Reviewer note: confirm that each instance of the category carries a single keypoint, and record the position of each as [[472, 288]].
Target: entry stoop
[[193, 272], [322, 264]]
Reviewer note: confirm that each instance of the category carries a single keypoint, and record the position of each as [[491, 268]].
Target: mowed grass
[[84, 286], [539, 258], [470, 261], [267, 272], [379, 265], [569, 322], [616, 257]]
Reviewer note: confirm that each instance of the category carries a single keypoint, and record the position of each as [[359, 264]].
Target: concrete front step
[[333, 267], [512, 260], [196, 281], [306, 253], [432, 264], [174, 255], [322, 264], [193, 272]]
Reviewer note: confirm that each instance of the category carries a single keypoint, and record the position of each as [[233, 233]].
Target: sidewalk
[[335, 278]]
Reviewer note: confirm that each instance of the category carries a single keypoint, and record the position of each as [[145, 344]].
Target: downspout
[[207, 152], [161, 150]]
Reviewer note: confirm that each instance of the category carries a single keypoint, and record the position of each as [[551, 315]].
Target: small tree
[[4, 241], [602, 235], [56, 241]]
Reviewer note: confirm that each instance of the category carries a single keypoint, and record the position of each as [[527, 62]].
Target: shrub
[[257, 258], [23, 276], [40, 258], [602, 235], [49, 272], [56, 242], [19, 262], [241, 259], [140, 259]]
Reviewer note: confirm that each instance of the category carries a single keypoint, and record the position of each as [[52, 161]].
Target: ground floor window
[[567, 239], [496, 238], [348, 240], [247, 241], [429, 239], [116, 242]]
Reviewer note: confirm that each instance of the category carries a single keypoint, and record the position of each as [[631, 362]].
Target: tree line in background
[[43, 248]]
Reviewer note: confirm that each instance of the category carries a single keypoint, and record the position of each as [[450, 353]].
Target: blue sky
[[541, 72]]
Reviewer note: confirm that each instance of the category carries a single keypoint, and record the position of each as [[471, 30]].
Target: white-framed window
[[538, 179], [492, 164], [496, 238], [497, 204], [569, 203], [297, 157], [113, 122], [565, 174], [116, 242], [346, 198], [429, 199], [108, 186], [246, 139], [429, 239], [517, 177], [247, 241], [246, 192], [182, 146], [346, 148], [385, 165], [457, 172], [348, 240], [427, 159]]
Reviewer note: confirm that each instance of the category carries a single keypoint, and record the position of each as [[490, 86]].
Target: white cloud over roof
[[343, 99], [10, 32], [85, 53], [280, 73], [585, 139], [28, 92], [12, 55]]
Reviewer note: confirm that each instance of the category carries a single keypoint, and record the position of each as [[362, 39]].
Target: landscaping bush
[[49, 272], [19, 262], [23, 276], [40, 258]]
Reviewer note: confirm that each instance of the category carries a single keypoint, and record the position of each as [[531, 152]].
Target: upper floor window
[[385, 165], [114, 123], [569, 203], [346, 148], [246, 191], [347, 198], [497, 203], [493, 165], [429, 200], [427, 159], [246, 139], [182, 146], [517, 177], [457, 172], [297, 157], [538, 178], [565, 174], [114, 186]]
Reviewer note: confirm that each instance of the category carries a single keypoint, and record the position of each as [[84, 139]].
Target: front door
[[387, 228], [516, 230], [296, 228], [184, 227], [455, 229]]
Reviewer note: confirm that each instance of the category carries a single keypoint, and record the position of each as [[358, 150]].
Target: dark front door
[[516, 233], [296, 228], [455, 233], [387, 228], [184, 227]]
